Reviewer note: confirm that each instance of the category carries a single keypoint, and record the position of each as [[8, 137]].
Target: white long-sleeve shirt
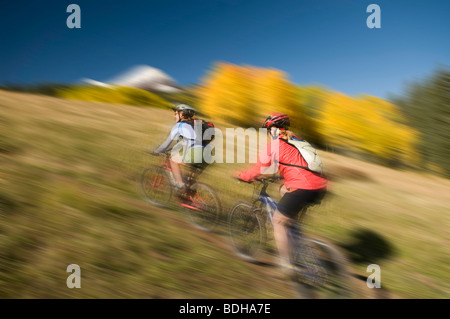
[[184, 130]]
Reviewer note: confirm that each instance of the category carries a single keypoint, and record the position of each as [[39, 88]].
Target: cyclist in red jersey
[[301, 187]]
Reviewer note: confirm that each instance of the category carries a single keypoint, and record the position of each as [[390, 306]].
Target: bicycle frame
[[271, 206], [166, 165], [294, 229], [188, 178], [159, 187], [317, 268]]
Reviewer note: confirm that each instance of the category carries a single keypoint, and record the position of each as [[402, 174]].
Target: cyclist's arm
[[164, 146], [263, 166]]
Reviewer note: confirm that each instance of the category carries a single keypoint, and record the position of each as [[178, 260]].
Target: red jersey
[[295, 177]]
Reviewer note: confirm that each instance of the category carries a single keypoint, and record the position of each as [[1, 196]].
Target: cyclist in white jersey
[[189, 149]]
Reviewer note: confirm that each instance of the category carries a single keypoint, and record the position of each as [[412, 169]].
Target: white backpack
[[308, 153]]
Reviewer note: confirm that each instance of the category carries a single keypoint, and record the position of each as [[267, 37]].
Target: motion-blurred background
[[79, 106]]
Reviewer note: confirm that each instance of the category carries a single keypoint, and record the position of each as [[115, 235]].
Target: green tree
[[427, 106]]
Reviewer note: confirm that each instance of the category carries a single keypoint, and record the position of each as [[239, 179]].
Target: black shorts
[[294, 202]]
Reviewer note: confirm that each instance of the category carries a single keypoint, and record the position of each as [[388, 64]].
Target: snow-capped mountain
[[143, 77]]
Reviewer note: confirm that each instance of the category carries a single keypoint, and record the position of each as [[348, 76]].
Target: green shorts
[[194, 157]]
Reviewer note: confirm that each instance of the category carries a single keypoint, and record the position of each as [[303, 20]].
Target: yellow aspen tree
[[226, 93]]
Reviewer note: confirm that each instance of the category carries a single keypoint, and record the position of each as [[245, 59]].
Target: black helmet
[[279, 120], [187, 110]]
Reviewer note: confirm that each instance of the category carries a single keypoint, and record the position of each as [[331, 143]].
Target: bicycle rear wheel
[[156, 187], [246, 231], [320, 270], [203, 207]]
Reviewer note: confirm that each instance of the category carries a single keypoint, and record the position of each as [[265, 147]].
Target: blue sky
[[321, 42]]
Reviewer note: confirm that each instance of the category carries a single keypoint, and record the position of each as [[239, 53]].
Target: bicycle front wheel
[[320, 270], [246, 231], [156, 187], [203, 207]]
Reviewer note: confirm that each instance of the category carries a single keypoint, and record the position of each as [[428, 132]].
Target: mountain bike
[[198, 200], [318, 269]]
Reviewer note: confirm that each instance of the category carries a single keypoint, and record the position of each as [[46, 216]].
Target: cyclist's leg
[[283, 190], [280, 233], [186, 175], [176, 159], [175, 165], [193, 162], [289, 206]]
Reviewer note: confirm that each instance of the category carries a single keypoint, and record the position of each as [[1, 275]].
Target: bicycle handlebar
[[263, 180], [269, 179]]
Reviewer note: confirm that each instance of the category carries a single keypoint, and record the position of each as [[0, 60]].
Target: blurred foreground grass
[[69, 196]]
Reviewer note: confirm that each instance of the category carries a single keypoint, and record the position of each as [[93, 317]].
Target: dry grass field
[[69, 195]]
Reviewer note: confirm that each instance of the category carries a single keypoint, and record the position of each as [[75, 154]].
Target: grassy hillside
[[69, 196]]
